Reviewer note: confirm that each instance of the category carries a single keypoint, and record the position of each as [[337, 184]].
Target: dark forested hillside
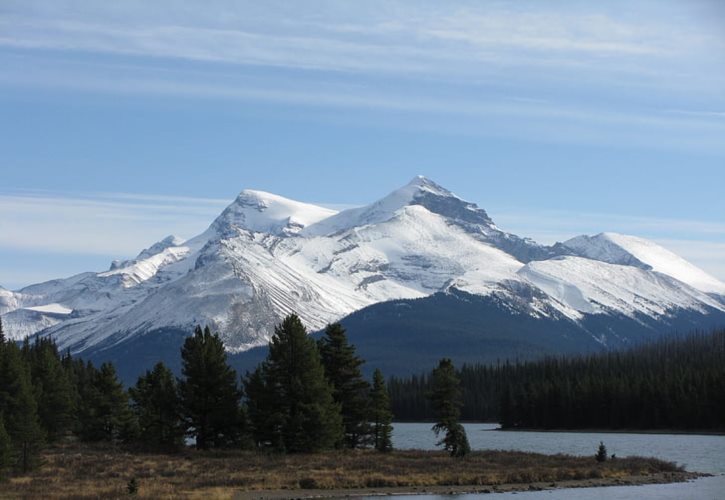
[[675, 383]]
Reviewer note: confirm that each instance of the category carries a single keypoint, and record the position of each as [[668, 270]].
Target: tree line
[[673, 383], [306, 396]]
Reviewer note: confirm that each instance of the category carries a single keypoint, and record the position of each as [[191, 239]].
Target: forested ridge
[[674, 383]]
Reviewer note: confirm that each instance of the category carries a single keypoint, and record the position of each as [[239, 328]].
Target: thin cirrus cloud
[[512, 116], [114, 224], [461, 42], [393, 57], [417, 38]]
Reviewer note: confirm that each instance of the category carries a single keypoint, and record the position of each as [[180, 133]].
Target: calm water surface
[[696, 453]]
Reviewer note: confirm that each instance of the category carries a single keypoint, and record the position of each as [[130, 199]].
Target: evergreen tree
[[446, 399], [53, 391], [209, 392], [19, 409], [266, 418], [156, 405], [601, 455], [304, 415], [2, 333], [6, 450], [349, 389], [105, 412], [83, 375], [380, 414]]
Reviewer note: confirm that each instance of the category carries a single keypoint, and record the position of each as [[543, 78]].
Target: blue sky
[[122, 122]]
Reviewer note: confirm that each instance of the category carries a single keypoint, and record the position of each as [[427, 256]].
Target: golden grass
[[83, 471]]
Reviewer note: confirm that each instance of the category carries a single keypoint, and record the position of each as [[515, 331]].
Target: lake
[[695, 452]]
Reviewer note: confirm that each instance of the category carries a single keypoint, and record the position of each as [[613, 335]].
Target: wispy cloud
[[115, 224], [393, 56], [459, 43], [552, 119], [402, 41]]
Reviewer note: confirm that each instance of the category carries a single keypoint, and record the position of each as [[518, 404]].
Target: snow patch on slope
[[591, 286], [415, 249], [51, 308], [22, 323], [9, 301], [136, 272]]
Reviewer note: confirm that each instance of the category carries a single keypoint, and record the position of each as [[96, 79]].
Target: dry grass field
[[82, 471]]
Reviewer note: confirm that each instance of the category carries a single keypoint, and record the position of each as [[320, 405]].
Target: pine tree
[[266, 419], [209, 392], [83, 375], [157, 407], [447, 400], [53, 391], [380, 414], [105, 412], [349, 389], [305, 417], [19, 409], [2, 333], [601, 455], [6, 450]]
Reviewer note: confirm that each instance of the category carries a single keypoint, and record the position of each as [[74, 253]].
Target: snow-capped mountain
[[632, 251], [266, 256]]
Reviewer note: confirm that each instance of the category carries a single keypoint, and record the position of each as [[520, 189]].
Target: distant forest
[[674, 383]]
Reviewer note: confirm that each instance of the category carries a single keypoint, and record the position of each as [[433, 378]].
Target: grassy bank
[[80, 471]]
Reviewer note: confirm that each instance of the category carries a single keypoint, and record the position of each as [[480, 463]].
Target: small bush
[[132, 486]]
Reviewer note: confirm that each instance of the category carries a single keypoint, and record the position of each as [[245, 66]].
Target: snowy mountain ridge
[[266, 256]]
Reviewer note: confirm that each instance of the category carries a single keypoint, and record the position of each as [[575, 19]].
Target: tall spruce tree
[[266, 418], [304, 415], [2, 333], [105, 412], [83, 375], [156, 404], [53, 390], [380, 414], [209, 392], [19, 409], [447, 399], [349, 389]]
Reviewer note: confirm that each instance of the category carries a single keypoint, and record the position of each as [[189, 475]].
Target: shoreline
[[616, 431], [700, 432], [633, 480], [694, 432]]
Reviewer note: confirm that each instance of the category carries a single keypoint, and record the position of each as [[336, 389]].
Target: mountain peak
[[422, 183], [260, 211], [155, 249], [419, 191]]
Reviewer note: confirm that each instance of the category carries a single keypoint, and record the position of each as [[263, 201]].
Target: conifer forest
[[672, 384]]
